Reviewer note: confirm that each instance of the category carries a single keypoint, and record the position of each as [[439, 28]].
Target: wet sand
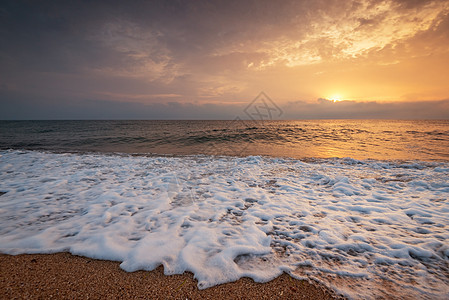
[[62, 275]]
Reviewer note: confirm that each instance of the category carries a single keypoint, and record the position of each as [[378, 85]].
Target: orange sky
[[222, 52], [363, 51]]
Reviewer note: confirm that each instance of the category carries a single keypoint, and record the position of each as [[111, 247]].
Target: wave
[[357, 226], [377, 139]]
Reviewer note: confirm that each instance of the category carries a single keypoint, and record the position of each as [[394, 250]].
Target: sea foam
[[363, 228]]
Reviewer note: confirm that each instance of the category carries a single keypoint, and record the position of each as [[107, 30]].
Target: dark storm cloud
[[64, 34], [139, 43], [39, 36], [69, 35]]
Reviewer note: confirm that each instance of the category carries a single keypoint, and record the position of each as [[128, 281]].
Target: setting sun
[[335, 98]]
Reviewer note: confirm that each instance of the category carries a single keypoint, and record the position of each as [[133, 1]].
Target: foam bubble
[[342, 222]]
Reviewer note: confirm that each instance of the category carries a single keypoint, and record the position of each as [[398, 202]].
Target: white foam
[[360, 227]]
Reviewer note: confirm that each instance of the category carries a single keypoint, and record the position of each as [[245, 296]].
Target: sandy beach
[[62, 276]]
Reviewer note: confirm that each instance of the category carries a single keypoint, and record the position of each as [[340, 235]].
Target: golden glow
[[377, 52], [359, 51], [335, 98]]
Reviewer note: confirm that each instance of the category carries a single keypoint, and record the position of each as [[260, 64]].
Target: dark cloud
[[26, 108], [327, 109], [23, 107]]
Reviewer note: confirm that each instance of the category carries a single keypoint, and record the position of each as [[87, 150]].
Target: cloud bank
[[92, 109]]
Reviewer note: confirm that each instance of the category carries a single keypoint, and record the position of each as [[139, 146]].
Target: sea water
[[226, 201]]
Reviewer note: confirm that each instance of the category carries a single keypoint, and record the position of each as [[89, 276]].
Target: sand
[[62, 275]]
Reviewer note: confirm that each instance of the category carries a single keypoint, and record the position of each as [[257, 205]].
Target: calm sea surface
[[359, 139]]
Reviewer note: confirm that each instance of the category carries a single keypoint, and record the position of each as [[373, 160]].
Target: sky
[[211, 59]]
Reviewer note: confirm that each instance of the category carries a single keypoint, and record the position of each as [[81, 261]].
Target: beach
[[362, 227], [64, 276]]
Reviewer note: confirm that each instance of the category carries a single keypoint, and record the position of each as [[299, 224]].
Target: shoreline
[[198, 156], [63, 276]]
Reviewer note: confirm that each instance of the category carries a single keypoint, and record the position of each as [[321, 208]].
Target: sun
[[335, 98]]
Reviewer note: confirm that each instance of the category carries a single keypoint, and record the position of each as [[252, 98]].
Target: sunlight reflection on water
[[360, 139]]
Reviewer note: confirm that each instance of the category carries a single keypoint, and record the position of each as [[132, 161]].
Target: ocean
[[359, 139], [361, 206]]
